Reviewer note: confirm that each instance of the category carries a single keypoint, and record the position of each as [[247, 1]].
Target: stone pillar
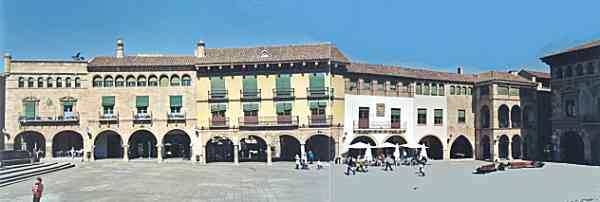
[[337, 150], [302, 150], [126, 152], [92, 151], [446, 153], [510, 154], [236, 149], [494, 149], [159, 152], [587, 150], [269, 160], [202, 154], [48, 151]]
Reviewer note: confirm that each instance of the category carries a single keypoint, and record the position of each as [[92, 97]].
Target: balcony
[[142, 117], [319, 93], [218, 122], [390, 127], [320, 120], [250, 95], [268, 121], [283, 93], [108, 117], [176, 116], [217, 96], [70, 118]]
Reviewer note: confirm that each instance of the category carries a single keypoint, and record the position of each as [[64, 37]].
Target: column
[[48, 151], [494, 149], [510, 154], [159, 153], [235, 154], [269, 160], [202, 154], [126, 152], [92, 151], [302, 150], [587, 150]]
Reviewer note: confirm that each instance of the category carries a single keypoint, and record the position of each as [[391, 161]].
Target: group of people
[[306, 159], [360, 164]]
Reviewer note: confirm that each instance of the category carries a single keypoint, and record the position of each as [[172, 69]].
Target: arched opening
[[65, 142], [396, 140], [142, 144], [108, 144], [32, 142], [461, 148], [164, 81], [152, 81], [108, 81], [503, 115], [571, 148], [131, 81], [119, 81], [322, 146], [219, 149], [516, 147], [186, 80], [486, 153], [253, 148], [40, 82], [503, 147], [175, 80], [515, 116], [484, 117], [289, 148], [366, 140], [436, 149], [141, 81], [97, 81], [176, 144]]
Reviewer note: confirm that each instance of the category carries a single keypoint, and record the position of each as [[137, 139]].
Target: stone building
[[264, 104], [2, 109], [576, 103]]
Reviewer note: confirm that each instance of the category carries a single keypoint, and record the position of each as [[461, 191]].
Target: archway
[[64, 142], [30, 141], [253, 148], [176, 144], [461, 148], [108, 144], [436, 149], [503, 147], [396, 140], [503, 116], [219, 149], [571, 148], [484, 117], [289, 148], [515, 116], [322, 146], [142, 144], [366, 140], [516, 147], [486, 153]]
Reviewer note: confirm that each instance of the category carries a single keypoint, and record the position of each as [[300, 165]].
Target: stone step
[[18, 166], [24, 168], [24, 175]]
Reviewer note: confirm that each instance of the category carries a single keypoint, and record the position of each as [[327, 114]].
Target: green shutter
[[283, 82], [68, 103], [395, 112], [250, 107], [317, 104], [317, 81], [250, 84], [218, 107], [175, 101], [142, 101], [217, 84], [108, 101], [282, 107], [439, 113], [30, 109]]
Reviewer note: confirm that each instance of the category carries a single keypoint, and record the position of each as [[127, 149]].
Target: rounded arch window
[[21, 82], [131, 82], [68, 82], [186, 80], [175, 81], [153, 81], [97, 81], [108, 81], [40, 82], [59, 82], [30, 82], [164, 81], [77, 82], [49, 82], [141, 81], [119, 81]]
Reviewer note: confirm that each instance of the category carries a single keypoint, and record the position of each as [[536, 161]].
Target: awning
[[317, 104], [282, 107], [142, 101], [250, 107], [218, 107], [108, 101]]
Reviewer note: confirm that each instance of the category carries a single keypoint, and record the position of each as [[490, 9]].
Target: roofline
[[48, 61]]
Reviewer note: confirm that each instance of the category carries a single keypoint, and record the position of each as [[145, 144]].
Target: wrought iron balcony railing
[[218, 122], [252, 94], [176, 116], [320, 120], [283, 93], [147, 116], [108, 117], [67, 118], [268, 121], [319, 92], [217, 95]]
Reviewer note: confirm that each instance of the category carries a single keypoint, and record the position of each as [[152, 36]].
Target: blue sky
[[439, 35]]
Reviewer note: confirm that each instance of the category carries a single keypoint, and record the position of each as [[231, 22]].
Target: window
[[249, 86], [175, 80], [452, 92], [461, 116], [366, 84], [282, 85], [568, 72], [393, 87], [395, 118], [570, 108], [218, 112], [381, 87], [438, 116], [119, 81], [108, 105], [175, 103], [141, 104], [419, 89], [458, 91], [352, 85], [49, 82], [380, 109], [40, 82], [97, 82], [68, 83], [30, 82], [68, 109], [514, 92], [250, 109], [131, 82], [77, 82], [108, 81], [579, 70], [316, 82], [463, 91], [590, 68], [21, 82], [434, 89], [469, 91], [217, 87], [441, 90], [30, 110], [141, 81], [164, 81], [484, 90], [186, 80], [422, 116], [152, 81], [363, 117], [317, 108], [283, 108], [502, 90], [59, 83]]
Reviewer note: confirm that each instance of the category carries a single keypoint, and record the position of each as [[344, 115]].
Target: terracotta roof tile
[[408, 72], [576, 48], [500, 76], [543, 75], [107, 61]]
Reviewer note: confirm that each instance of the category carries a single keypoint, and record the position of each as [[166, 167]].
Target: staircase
[[17, 173]]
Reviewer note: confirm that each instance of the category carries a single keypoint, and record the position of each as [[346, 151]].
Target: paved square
[[182, 181]]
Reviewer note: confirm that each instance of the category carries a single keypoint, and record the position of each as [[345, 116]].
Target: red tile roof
[[379, 69], [576, 48], [543, 75]]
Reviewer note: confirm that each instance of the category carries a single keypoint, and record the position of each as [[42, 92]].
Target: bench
[[8, 158]]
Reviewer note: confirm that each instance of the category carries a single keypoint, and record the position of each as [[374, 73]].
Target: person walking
[[311, 156], [37, 189], [297, 162], [388, 163], [351, 166]]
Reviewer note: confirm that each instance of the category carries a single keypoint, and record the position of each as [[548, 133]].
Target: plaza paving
[[184, 181]]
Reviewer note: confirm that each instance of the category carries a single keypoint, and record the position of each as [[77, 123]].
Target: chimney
[[7, 61], [120, 53], [200, 52], [459, 70]]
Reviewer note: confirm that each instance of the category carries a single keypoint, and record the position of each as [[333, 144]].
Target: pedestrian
[[304, 162], [350, 167], [311, 156], [72, 152], [388, 163], [422, 169], [297, 162], [37, 189], [319, 164]]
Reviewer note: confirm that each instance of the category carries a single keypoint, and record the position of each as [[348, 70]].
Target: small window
[[352, 85], [366, 84], [131, 82], [426, 89], [77, 82], [97, 82], [68, 82], [40, 82], [152, 81], [590, 68], [461, 116], [164, 81], [141, 81], [393, 86], [441, 90], [579, 70], [21, 82], [419, 89], [59, 82], [422, 116], [502, 90], [108, 81], [119, 81], [469, 91], [175, 80], [438, 117], [434, 89], [186, 80], [49, 82], [452, 92], [30, 82], [568, 72]]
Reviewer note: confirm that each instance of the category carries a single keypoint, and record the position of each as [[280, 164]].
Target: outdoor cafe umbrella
[[387, 145], [424, 152], [397, 152], [414, 146], [368, 155], [359, 145]]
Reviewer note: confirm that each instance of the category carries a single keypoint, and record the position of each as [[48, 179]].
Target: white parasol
[[387, 145], [359, 145], [414, 146], [424, 152], [368, 154], [397, 152]]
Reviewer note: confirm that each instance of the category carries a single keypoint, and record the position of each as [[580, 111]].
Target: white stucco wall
[[431, 103], [354, 102]]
